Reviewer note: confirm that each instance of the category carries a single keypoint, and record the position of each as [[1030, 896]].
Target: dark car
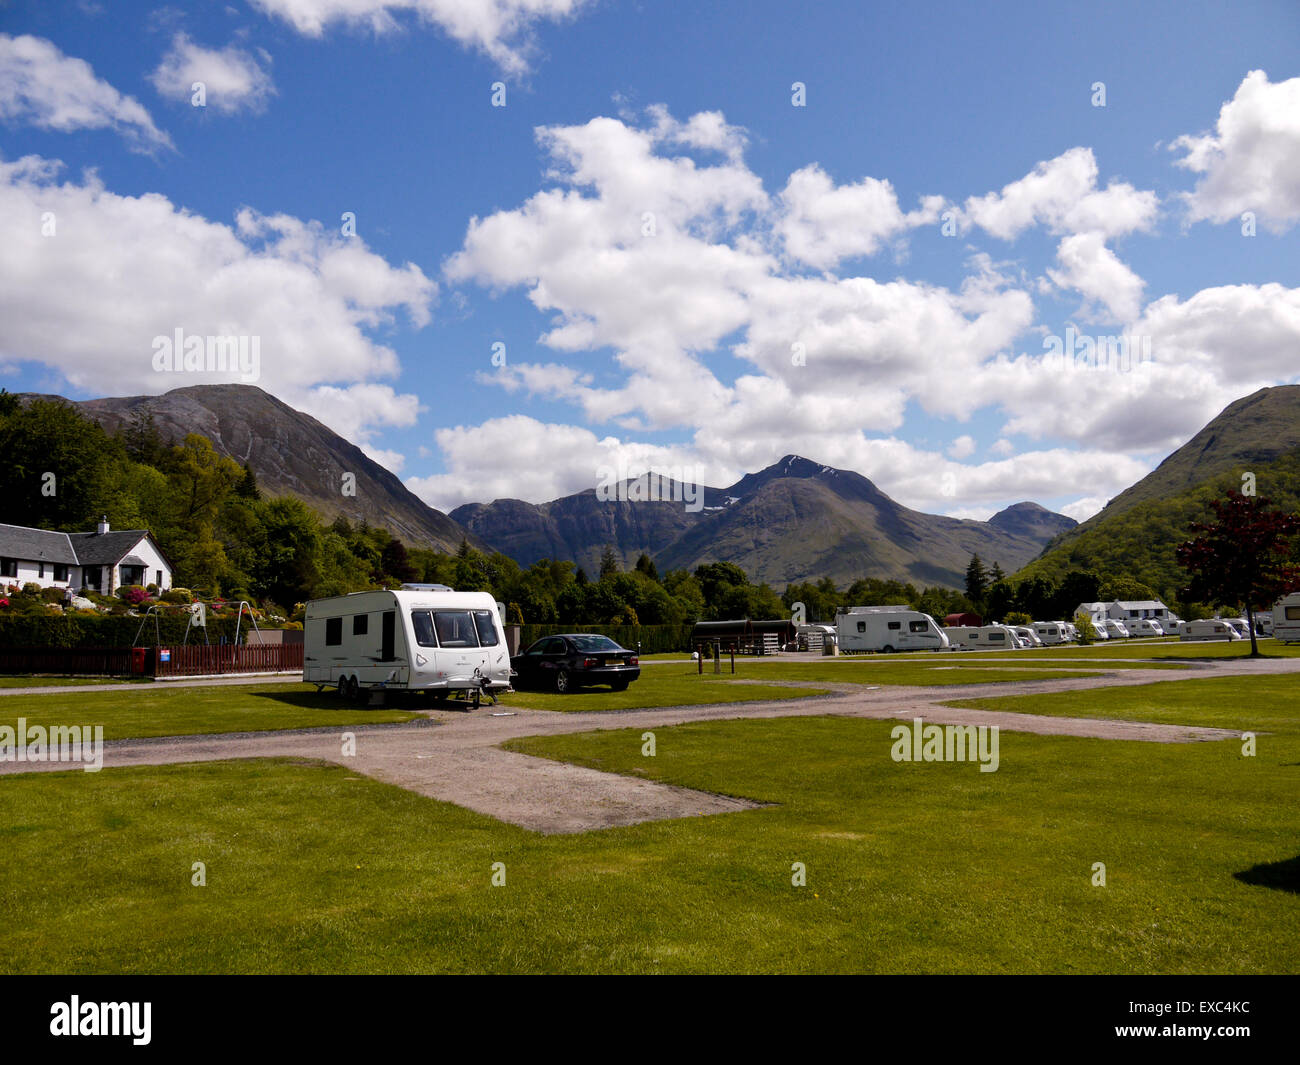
[[575, 660]]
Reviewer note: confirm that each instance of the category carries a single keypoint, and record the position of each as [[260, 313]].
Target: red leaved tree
[[1244, 557]]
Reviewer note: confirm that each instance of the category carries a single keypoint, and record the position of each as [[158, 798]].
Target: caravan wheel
[[889, 648]]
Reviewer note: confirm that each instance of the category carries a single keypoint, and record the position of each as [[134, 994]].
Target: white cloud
[[119, 271], [1003, 448], [501, 29], [233, 79], [1251, 161], [41, 86], [1083, 509], [823, 224], [962, 448], [1091, 268], [1062, 195]]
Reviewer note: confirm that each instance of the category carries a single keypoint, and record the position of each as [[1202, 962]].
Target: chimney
[[102, 527]]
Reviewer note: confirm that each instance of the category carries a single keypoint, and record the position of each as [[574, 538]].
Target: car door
[[554, 657]]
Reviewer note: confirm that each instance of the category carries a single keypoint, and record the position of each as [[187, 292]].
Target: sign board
[[164, 655]]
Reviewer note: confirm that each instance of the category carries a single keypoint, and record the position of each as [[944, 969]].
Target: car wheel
[[562, 682], [620, 685]]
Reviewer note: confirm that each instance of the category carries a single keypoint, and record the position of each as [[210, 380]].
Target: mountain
[[1136, 534], [291, 453], [792, 521]]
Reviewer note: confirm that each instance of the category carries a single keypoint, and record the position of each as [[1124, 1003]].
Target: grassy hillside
[[1140, 540]]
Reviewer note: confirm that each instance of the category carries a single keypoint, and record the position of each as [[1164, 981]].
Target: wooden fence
[[204, 659], [74, 661]]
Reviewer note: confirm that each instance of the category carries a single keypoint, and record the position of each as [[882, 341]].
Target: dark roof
[[36, 545], [105, 549]]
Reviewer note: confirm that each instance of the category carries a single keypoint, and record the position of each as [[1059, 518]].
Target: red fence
[[194, 660], [197, 660]]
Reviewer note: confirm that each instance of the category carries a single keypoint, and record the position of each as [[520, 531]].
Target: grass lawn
[[46, 682], [1253, 704], [161, 710], [910, 868], [1172, 649], [662, 686]]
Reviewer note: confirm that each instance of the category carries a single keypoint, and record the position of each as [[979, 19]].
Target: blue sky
[[662, 235]]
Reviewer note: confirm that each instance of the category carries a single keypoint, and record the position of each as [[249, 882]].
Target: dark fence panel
[[227, 658], [75, 661], [654, 639]]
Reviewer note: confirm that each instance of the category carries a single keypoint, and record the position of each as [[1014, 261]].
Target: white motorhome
[[1239, 624], [1286, 618], [1051, 632], [888, 628], [1209, 629], [424, 638]]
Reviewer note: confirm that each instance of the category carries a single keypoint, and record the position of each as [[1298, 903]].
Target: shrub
[[33, 589], [152, 589], [52, 595], [133, 594], [177, 595]]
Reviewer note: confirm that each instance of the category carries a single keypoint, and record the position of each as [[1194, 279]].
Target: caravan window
[[917, 626], [997, 635], [862, 626], [895, 625], [360, 624], [1292, 613], [333, 632], [487, 631], [423, 625], [455, 628]]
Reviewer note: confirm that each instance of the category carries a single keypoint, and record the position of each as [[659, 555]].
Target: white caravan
[[1240, 624], [1051, 632], [1210, 629], [1286, 618], [1028, 637], [1116, 630], [422, 638], [984, 637], [888, 628], [1145, 627]]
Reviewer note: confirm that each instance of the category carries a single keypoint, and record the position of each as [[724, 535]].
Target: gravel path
[[456, 757]]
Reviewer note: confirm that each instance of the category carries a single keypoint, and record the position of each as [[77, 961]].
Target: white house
[[1124, 611], [102, 561]]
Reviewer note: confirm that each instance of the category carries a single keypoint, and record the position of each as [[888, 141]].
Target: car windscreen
[[487, 630], [594, 643], [455, 628]]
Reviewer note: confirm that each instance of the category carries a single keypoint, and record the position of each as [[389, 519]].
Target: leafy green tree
[[645, 564], [1244, 557]]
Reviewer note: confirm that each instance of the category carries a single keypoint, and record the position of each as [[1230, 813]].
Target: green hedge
[[84, 630], [654, 639]]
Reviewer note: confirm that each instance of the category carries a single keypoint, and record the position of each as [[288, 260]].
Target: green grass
[[161, 710], [60, 682], [1259, 703], [1172, 649], [910, 868]]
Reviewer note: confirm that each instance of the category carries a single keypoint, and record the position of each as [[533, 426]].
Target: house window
[[40, 575], [333, 632], [360, 624], [158, 579], [60, 572], [8, 567]]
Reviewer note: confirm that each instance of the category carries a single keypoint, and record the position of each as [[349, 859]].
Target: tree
[[247, 486], [609, 563], [977, 580], [996, 574], [1242, 557], [645, 564], [395, 562]]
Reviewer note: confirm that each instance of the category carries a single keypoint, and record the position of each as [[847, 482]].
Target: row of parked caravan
[[1010, 637]]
